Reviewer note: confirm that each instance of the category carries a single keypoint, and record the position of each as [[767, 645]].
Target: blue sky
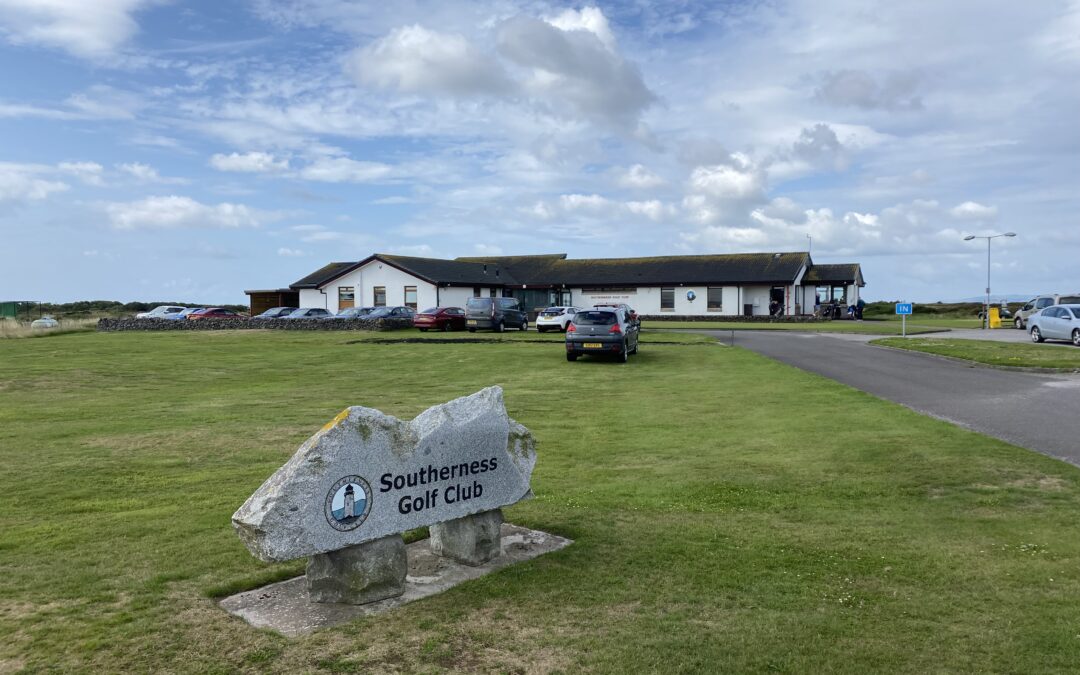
[[156, 150]]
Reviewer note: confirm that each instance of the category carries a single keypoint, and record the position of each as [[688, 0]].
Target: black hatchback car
[[602, 331], [497, 314]]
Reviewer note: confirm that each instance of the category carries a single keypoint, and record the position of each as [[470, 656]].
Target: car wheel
[[571, 357], [1076, 337], [1019, 323], [525, 326], [624, 355], [634, 350], [500, 328], [472, 330], [446, 327], [1036, 334], [423, 330]]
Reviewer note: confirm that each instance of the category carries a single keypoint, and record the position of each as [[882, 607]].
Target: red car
[[440, 318], [214, 313]]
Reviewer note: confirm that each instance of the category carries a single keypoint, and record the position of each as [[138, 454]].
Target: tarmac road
[[1036, 411]]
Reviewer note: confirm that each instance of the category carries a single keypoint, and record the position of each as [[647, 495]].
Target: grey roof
[[848, 273], [555, 269]]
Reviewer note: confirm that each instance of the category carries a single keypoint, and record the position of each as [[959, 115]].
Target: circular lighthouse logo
[[348, 503]]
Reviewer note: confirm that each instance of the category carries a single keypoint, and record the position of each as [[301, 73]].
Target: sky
[[187, 151]]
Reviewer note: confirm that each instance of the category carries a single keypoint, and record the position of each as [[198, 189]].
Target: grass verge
[[730, 513], [1013, 354]]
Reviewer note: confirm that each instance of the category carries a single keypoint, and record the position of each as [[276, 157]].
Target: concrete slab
[[286, 608]]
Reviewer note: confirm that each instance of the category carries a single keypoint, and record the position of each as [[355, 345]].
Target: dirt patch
[[1046, 483]]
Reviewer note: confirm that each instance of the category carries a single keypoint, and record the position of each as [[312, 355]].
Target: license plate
[[472, 322], [592, 345]]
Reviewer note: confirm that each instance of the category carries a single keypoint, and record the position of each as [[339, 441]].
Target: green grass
[[729, 513], [1014, 354]]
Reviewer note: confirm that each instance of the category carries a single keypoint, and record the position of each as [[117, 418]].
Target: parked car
[[160, 312], [555, 318], [181, 316], [353, 313], [213, 313], [308, 313], [1059, 322], [44, 322], [275, 313], [1035, 305], [629, 310], [440, 318], [392, 313], [602, 331], [495, 313]]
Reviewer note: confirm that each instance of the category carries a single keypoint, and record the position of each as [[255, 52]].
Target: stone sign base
[[287, 607]]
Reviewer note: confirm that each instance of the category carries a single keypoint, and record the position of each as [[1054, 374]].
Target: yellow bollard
[[995, 317]]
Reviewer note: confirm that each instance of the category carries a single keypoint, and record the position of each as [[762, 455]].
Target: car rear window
[[430, 310], [479, 303], [594, 318], [1069, 300]]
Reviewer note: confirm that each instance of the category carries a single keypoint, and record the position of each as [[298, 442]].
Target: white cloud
[[414, 59], [973, 211], [105, 102], [589, 19], [290, 252], [576, 69], [23, 182], [640, 178], [345, 170], [87, 172], [92, 29], [653, 209], [724, 182], [250, 162], [861, 89], [181, 212], [144, 173]]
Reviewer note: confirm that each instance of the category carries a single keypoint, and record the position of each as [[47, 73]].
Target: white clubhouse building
[[691, 285]]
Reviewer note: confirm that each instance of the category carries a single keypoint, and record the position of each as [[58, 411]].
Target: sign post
[[903, 309]]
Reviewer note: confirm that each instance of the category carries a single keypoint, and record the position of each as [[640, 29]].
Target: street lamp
[[986, 309]]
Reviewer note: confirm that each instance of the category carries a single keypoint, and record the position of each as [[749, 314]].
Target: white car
[[45, 322], [555, 318], [1059, 322], [160, 312]]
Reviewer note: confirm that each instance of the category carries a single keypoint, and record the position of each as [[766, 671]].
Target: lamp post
[[986, 308]]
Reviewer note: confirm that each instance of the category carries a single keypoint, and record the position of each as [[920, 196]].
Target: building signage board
[[367, 475]]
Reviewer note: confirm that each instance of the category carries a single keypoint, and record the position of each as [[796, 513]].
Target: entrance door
[[776, 300]]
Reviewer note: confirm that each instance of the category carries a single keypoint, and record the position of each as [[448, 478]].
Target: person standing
[[859, 308]]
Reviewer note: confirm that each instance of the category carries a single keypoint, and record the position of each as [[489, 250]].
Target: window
[[1044, 302], [1076, 312], [410, 297], [492, 292], [667, 299], [380, 296], [345, 297], [715, 300], [476, 291]]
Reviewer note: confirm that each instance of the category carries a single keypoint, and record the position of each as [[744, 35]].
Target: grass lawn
[[1016, 354], [730, 513], [868, 327]]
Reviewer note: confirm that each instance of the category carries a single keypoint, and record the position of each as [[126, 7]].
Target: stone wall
[[116, 325]]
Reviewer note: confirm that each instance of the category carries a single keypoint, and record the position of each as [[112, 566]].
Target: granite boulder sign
[[348, 493]]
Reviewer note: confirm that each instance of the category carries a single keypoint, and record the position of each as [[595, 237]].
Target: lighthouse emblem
[[348, 503]]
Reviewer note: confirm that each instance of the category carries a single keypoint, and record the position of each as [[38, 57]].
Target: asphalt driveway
[[1035, 411]]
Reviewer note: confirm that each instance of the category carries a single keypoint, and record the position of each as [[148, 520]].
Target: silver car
[[602, 331], [1059, 322]]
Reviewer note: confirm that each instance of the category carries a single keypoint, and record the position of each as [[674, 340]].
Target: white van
[[1040, 303]]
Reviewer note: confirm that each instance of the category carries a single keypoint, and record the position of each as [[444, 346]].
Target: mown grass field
[[729, 514], [1059, 355]]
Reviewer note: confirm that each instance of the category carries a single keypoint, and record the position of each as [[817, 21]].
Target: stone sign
[[351, 489]]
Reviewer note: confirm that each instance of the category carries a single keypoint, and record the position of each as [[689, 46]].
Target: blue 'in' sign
[[903, 308]]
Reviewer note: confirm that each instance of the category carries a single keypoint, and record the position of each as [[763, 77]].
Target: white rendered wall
[[455, 296], [376, 273], [646, 300], [313, 298]]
